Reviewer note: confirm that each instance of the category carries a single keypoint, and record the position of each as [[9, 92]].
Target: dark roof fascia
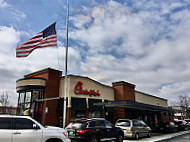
[[131, 104]]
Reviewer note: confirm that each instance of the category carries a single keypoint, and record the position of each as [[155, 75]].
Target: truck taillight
[[81, 131]]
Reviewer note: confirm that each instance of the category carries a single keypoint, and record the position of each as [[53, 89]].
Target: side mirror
[[35, 126]]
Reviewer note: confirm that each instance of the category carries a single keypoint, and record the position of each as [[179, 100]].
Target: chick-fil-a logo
[[79, 90]]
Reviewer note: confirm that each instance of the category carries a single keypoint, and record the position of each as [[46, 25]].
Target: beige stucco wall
[[106, 92], [148, 99], [26, 82]]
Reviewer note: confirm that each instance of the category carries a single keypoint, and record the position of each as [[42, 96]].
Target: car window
[[125, 123], [76, 125], [187, 120], [97, 123], [171, 123], [108, 124], [69, 126], [136, 123], [142, 123], [5, 123], [91, 124], [22, 123]]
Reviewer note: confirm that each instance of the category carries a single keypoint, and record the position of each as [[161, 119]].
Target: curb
[[170, 136]]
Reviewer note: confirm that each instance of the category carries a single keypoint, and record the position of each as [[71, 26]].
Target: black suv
[[94, 130]]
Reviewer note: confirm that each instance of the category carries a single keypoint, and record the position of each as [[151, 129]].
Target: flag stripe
[[33, 38], [31, 42], [47, 44], [37, 41]]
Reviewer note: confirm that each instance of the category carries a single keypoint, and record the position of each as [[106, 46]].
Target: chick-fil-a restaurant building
[[41, 95]]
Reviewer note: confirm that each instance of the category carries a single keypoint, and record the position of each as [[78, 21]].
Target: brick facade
[[119, 114], [124, 91], [52, 90]]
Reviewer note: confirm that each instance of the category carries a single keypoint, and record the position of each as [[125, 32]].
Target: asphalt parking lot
[[158, 137]]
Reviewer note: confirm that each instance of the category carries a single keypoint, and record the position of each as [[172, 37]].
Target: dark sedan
[[168, 127], [94, 130], [183, 125]]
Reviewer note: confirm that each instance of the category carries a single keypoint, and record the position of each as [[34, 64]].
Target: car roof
[[123, 119], [14, 116], [96, 119], [130, 119]]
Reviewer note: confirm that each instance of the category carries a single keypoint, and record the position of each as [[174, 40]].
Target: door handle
[[16, 133]]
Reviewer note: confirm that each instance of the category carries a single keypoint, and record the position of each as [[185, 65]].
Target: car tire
[[149, 134], [54, 140], [137, 136], [94, 139], [119, 138]]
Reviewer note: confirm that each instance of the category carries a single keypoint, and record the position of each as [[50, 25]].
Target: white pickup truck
[[25, 129]]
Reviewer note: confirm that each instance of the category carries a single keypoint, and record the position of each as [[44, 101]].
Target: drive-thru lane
[[182, 138], [158, 137]]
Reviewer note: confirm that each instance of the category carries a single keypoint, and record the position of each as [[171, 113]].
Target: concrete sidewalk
[[160, 137]]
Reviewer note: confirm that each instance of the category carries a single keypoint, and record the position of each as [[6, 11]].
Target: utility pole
[[66, 57]]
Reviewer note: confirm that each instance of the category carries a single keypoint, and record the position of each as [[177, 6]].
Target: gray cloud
[[3, 4], [149, 50]]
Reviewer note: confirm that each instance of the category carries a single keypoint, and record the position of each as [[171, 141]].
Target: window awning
[[135, 105], [108, 109], [78, 103], [93, 107]]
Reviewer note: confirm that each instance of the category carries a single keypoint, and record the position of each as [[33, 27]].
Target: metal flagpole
[[66, 56]]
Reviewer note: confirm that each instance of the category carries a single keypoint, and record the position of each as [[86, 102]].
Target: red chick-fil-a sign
[[79, 90]]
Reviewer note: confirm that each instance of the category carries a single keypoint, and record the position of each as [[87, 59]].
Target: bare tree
[[4, 98], [184, 103]]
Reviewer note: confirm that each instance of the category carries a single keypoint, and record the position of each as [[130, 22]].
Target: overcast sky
[[144, 42]]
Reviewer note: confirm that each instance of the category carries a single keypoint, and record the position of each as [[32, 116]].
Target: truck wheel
[[54, 140]]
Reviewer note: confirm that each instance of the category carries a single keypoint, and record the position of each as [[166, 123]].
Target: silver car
[[133, 128]]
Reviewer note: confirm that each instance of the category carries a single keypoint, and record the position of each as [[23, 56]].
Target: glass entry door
[[29, 104]]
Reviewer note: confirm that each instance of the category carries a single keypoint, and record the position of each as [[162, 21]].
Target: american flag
[[45, 38]]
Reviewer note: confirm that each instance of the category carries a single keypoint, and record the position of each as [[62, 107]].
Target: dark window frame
[[9, 123], [15, 123]]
